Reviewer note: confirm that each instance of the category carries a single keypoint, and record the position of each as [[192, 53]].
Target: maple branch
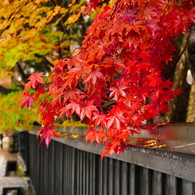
[[56, 2], [63, 28], [64, 2], [191, 50], [5, 91], [61, 24], [47, 62], [179, 57], [21, 72], [109, 103], [183, 49], [17, 83], [114, 9], [60, 50]]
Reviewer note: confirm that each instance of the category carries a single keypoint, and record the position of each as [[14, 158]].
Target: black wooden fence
[[72, 167]]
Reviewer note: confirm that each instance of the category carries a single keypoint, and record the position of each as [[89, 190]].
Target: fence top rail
[[177, 163], [175, 137]]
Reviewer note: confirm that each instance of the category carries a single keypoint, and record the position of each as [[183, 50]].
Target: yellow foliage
[[5, 74], [70, 123], [36, 15], [112, 3], [41, 1], [72, 3], [17, 15], [75, 8], [20, 23], [4, 2], [52, 13], [27, 35], [73, 18]]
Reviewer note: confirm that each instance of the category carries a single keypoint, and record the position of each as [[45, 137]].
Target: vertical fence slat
[[87, 168], [187, 188], [81, 172], [78, 173], [50, 169], [111, 177], [179, 186], [171, 187], [116, 177], [33, 164], [157, 183], [38, 171], [58, 168], [84, 173], [132, 179], [99, 174], [193, 188], [71, 166], [73, 172], [124, 179], [105, 176], [91, 171], [64, 169], [94, 174], [46, 171], [67, 169], [41, 169], [144, 181]]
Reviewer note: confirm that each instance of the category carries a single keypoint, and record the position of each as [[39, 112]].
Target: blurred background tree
[[34, 35]]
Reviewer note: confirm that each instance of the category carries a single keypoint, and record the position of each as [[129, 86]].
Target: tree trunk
[[191, 60], [178, 106]]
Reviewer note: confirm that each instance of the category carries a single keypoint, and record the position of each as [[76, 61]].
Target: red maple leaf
[[93, 75], [27, 100], [46, 134], [99, 119], [191, 14], [70, 108], [40, 90], [34, 79], [94, 135], [88, 109], [118, 90]]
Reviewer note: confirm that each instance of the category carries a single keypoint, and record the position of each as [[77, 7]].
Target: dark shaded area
[[13, 191], [11, 168], [191, 50]]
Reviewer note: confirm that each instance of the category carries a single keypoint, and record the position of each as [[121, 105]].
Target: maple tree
[[115, 81]]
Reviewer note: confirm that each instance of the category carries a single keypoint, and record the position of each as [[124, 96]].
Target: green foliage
[[16, 50], [11, 117], [71, 123]]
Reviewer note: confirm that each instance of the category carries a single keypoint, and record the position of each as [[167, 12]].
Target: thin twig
[[21, 72], [179, 57], [45, 60]]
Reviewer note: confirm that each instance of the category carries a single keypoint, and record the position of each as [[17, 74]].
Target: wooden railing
[[73, 167]]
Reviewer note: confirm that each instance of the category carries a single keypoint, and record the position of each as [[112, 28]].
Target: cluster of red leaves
[[121, 61]]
